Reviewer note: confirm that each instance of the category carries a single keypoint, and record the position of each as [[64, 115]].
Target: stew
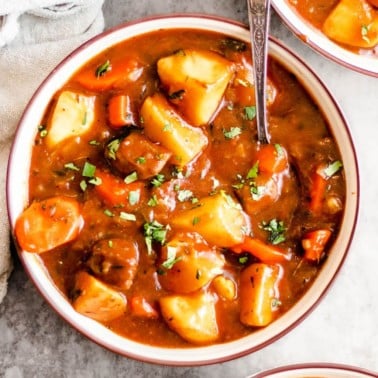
[[155, 210], [351, 23]]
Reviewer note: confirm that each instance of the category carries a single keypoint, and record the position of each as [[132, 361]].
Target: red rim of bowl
[[231, 355], [318, 366], [298, 31]]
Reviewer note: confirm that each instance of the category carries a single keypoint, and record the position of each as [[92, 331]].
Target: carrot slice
[[314, 242], [265, 252], [272, 158], [142, 308], [115, 192], [109, 74], [48, 224], [119, 112], [317, 192]]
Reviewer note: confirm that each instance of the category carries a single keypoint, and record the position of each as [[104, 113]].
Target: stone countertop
[[36, 342]]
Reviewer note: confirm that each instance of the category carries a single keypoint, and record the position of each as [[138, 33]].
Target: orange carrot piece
[[119, 112], [142, 308], [115, 192], [265, 252], [317, 192], [48, 224], [109, 74], [272, 158], [314, 242]]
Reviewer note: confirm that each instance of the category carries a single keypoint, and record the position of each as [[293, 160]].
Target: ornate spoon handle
[[259, 15]]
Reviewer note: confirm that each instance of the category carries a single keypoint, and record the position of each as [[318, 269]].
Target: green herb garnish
[[141, 160], [88, 170], [332, 168], [112, 148], [184, 195], [232, 133], [253, 172], [157, 180], [154, 231], [250, 112], [134, 196], [131, 178], [103, 69], [153, 201], [71, 166], [276, 231], [127, 216]]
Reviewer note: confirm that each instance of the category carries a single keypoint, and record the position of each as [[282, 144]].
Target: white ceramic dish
[[316, 370], [319, 42], [18, 172]]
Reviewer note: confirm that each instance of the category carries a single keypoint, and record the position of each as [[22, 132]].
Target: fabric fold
[[43, 38]]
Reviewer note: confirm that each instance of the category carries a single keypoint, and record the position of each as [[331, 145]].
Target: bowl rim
[[76, 320], [314, 368], [321, 44]]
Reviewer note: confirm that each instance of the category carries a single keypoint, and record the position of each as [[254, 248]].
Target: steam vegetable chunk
[[354, 23], [163, 125], [97, 300], [219, 219], [196, 80], [72, 116], [192, 317]]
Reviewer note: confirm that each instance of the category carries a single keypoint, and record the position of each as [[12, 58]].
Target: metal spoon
[[259, 15]]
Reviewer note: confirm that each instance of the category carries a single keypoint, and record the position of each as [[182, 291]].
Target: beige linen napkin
[[34, 36]]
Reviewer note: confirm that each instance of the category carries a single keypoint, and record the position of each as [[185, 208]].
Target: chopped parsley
[[141, 160], [158, 180], [232, 133], [276, 231], [89, 170], [83, 185], [171, 258], [112, 148], [95, 181], [102, 69], [71, 166], [253, 172], [332, 168], [154, 232], [84, 120], [243, 259], [364, 32], [256, 191], [134, 196], [131, 178], [94, 142], [127, 216], [108, 213], [153, 201], [250, 112]]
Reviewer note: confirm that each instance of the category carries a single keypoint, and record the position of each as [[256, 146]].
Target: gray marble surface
[[35, 342]]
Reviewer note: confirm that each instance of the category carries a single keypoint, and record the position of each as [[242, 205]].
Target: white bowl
[[18, 173], [322, 44], [318, 370]]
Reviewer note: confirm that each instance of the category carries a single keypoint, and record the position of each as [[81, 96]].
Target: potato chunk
[[163, 125], [72, 116], [188, 263], [96, 300], [354, 23], [259, 296], [219, 219], [192, 317], [196, 80]]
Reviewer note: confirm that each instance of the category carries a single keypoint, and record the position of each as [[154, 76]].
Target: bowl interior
[[319, 42], [18, 178]]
